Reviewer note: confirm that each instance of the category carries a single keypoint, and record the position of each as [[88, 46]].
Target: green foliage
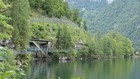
[[83, 53], [59, 39], [77, 78], [63, 39], [1, 4], [56, 8], [36, 3], [8, 68], [107, 46], [78, 20], [121, 16], [40, 31], [48, 31], [20, 16], [66, 41], [110, 45], [122, 45], [5, 28], [75, 15], [53, 8], [87, 4], [63, 36], [85, 25]]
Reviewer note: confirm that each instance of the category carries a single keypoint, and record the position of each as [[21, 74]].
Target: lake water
[[90, 69]]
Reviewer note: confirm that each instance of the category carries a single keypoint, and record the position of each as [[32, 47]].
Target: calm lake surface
[[90, 69]]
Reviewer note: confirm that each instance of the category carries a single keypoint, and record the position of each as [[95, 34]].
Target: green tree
[[92, 47], [97, 38], [63, 38], [59, 38], [67, 10], [56, 8], [67, 42], [107, 46], [85, 25], [121, 44], [48, 7], [36, 4], [20, 17], [5, 28], [75, 17]]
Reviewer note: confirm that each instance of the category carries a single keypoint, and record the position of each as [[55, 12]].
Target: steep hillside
[[47, 28], [121, 15], [87, 4], [87, 7]]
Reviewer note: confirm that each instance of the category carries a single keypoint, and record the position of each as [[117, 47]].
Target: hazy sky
[[110, 1]]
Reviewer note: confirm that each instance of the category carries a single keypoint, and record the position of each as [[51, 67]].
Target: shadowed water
[[92, 69]]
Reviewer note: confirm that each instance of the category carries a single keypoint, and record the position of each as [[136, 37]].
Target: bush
[[8, 68]]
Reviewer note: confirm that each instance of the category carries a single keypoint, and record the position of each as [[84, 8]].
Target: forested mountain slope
[[87, 4], [120, 15]]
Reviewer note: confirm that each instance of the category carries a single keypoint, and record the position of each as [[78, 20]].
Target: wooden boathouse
[[40, 48]]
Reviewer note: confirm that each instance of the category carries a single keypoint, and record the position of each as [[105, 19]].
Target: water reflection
[[93, 69]]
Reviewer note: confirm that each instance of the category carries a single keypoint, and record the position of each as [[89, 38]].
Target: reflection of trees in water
[[136, 70], [64, 70], [50, 70], [107, 69], [97, 69], [39, 70]]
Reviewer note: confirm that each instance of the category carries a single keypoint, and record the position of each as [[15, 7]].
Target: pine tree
[[20, 16], [56, 8], [36, 4], [67, 42], [85, 25], [59, 38], [67, 10], [63, 39], [75, 15]]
